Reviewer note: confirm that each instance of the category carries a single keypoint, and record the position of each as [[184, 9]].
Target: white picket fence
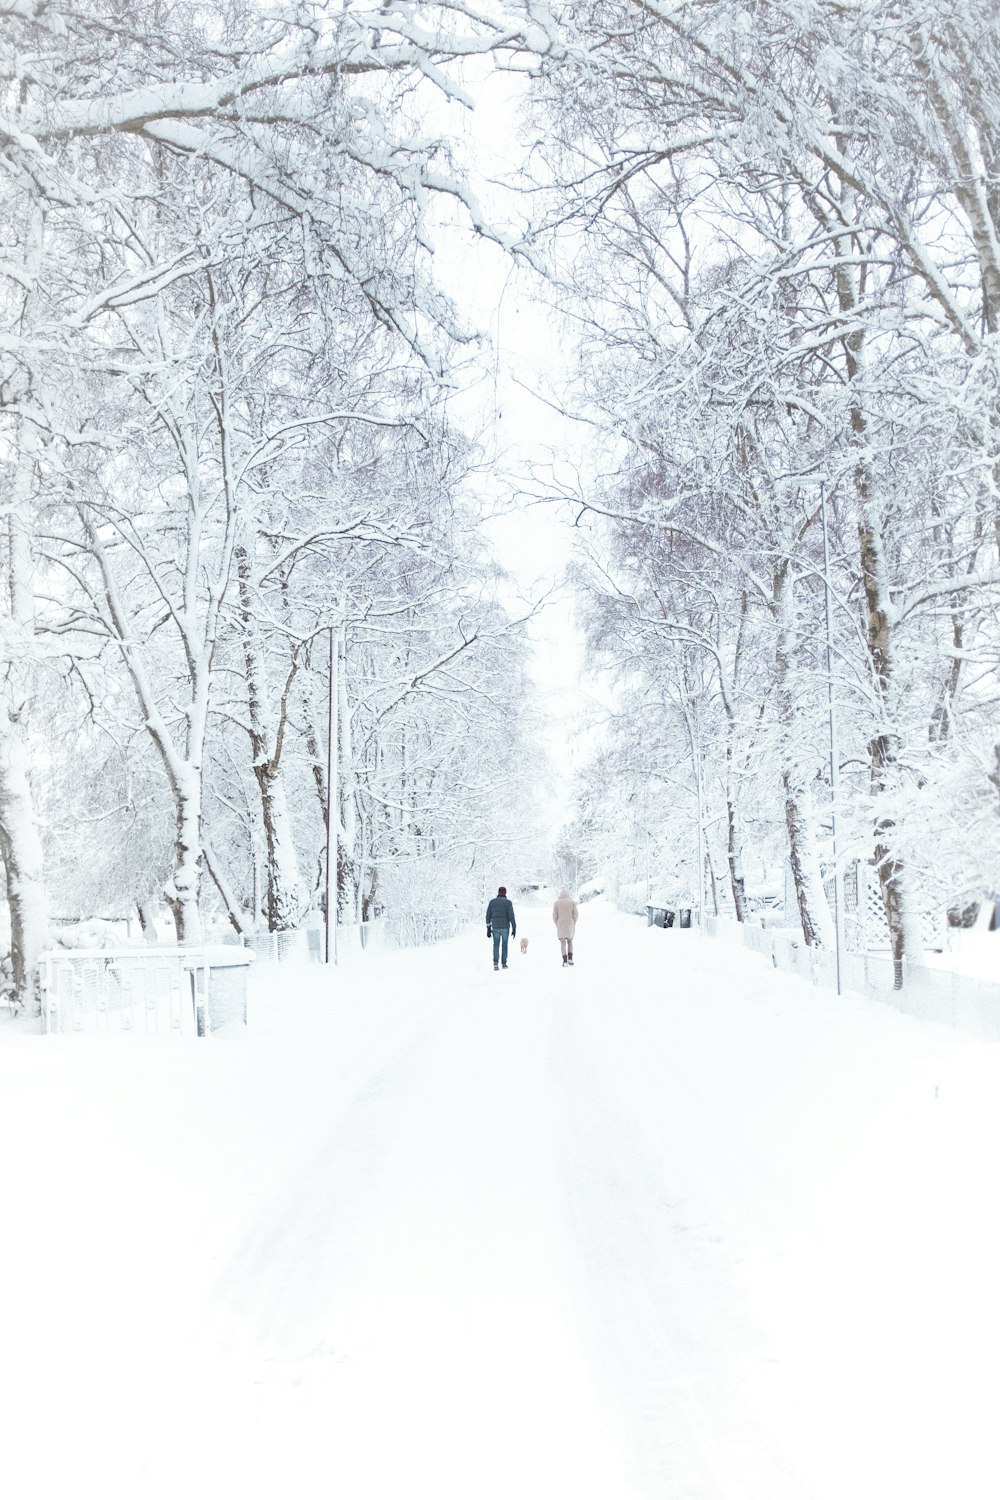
[[932, 994], [145, 991]]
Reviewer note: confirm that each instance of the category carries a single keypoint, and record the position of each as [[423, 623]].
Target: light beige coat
[[564, 915]]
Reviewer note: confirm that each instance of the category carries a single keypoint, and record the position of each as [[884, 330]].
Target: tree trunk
[[711, 879], [348, 872], [147, 919], [941, 718], [184, 890], [894, 876], [994, 775], [284, 899], [21, 847], [318, 767], [235, 914], [884, 747], [734, 860], [814, 910], [369, 895], [879, 631], [317, 760], [20, 840]]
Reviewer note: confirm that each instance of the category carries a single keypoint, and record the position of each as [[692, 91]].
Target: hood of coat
[[564, 896]]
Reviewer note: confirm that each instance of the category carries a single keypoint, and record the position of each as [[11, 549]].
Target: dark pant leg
[[496, 945], [504, 938]]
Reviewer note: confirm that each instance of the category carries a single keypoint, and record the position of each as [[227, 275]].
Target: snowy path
[[669, 1225]]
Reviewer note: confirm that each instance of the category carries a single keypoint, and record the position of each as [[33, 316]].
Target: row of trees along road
[[223, 432], [776, 233], [783, 263]]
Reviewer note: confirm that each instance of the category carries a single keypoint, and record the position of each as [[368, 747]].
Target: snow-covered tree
[[787, 211], [147, 156]]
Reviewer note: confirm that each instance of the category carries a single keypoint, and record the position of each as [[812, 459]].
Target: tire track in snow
[[670, 1323], [554, 1233], [268, 1295], [405, 1292], [799, 1321]]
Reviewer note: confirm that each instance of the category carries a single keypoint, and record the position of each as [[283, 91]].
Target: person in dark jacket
[[501, 925]]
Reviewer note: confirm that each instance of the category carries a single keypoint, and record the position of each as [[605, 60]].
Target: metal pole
[[838, 903], [332, 796]]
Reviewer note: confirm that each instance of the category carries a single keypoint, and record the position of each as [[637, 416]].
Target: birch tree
[[314, 120], [834, 149]]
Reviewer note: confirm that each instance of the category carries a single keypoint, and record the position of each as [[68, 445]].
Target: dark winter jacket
[[500, 914]]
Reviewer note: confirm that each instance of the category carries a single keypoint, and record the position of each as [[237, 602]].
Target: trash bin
[[668, 918], [684, 917], [228, 971]]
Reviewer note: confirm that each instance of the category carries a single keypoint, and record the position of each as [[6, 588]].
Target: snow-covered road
[[669, 1225]]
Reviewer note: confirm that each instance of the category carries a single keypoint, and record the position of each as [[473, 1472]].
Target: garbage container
[[684, 917], [228, 971]]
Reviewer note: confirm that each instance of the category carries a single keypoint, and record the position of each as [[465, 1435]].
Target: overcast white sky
[[522, 432], [532, 541]]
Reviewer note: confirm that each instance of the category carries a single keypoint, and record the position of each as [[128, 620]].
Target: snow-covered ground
[[670, 1225]]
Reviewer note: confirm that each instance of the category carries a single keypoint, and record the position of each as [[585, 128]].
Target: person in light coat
[[564, 915]]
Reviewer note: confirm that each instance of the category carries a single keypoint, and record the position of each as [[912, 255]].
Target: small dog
[[524, 945]]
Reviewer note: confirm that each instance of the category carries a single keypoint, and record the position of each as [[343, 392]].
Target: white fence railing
[[416, 931], [932, 994], [157, 991], [149, 991], [384, 934]]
